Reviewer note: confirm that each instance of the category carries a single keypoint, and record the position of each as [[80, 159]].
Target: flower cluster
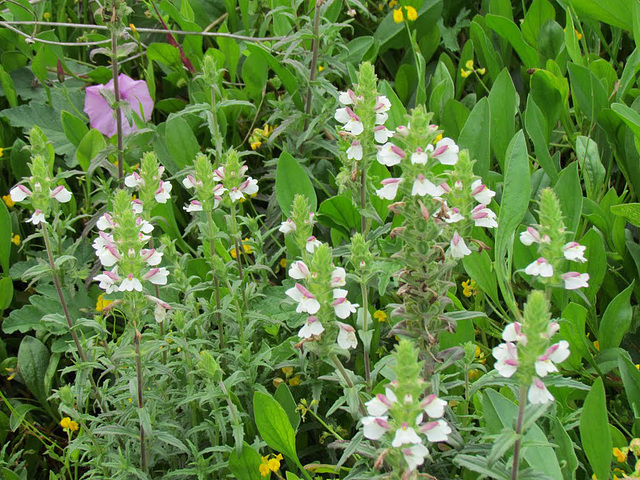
[[42, 191], [120, 246], [552, 250], [300, 225], [149, 183], [269, 463], [528, 350], [401, 412]]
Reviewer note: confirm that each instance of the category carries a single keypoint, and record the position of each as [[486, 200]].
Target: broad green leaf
[[594, 431], [6, 292], [477, 137], [273, 424], [5, 238], [513, 206], [454, 118], [503, 101], [588, 91], [565, 452], [286, 401], [550, 95], [593, 172], [631, 381], [614, 12], [181, 142], [89, 147], [571, 40], [510, 32], [245, 466], [33, 359], [629, 211], [569, 192], [74, 128], [479, 268], [357, 48], [339, 212], [397, 112], [291, 179], [486, 52], [8, 87], [572, 329], [536, 126], [165, 55], [539, 13], [286, 77], [629, 116], [616, 319], [254, 75]]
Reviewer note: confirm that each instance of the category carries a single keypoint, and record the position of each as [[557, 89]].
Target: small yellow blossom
[[264, 467], [474, 375], [47, 16], [579, 35], [179, 350], [393, 3], [621, 454], [469, 288], [398, 17], [15, 239], [635, 446], [283, 262], [8, 201], [270, 463], [69, 424], [12, 371], [465, 73], [133, 28], [412, 13], [438, 138], [295, 381], [248, 249], [320, 68], [380, 316], [469, 64], [101, 304], [480, 356], [288, 371], [274, 463], [482, 70], [596, 345], [1, 152]]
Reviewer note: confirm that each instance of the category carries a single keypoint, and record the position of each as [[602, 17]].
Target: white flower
[[249, 186], [380, 404], [530, 236], [162, 194], [354, 152], [513, 333], [446, 151], [452, 215], [351, 121], [157, 276], [151, 256], [422, 186], [218, 174], [458, 247], [299, 270], [404, 435], [136, 206], [484, 217], [287, 226], [507, 356], [481, 193], [61, 194], [375, 427], [105, 221], [311, 327], [390, 155], [419, 157], [307, 302], [538, 392], [347, 98], [389, 188], [556, 353], [575, 252], [108, 281], [343, 307], [414, 456], [383, 105], [191, 182], [433, 406], [130, 284], [437, 431], [575, 280], [194, 206], [312, 244], [37, 218], [108, 255], [539, 268], [338, 277], [19, 193], [347, 336], [382, 134]]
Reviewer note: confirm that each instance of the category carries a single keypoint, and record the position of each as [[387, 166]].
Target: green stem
[[143, 443], [365, 311], [336, 361], [237, 246], [516, 448], [116, 91], [216, 283], [314, 61], [216, 128]]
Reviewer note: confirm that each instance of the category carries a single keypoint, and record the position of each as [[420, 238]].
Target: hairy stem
[[314, 61], [365, 306], [143, 443], [116, 92], [336, 361], [216, 283], [519, 422]]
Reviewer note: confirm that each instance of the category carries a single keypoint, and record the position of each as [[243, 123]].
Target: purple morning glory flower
[[101, 116]]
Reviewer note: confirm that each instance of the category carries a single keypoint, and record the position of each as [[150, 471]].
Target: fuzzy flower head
[[202, 182], [556, 256], [136, 100], [149, 184], [237, 186]]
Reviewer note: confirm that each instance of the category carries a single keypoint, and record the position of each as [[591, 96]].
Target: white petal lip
[[61, 194], [311, 327], [538, 392], [530, 236], [389, 188], [575, 252], [437, 431], [481, 193], [540, 267], [375, 427], [446, 151], [354, 152], [458, 247], [299, 270], [405, 435], [19, 193], [434, 406], [287, 226]]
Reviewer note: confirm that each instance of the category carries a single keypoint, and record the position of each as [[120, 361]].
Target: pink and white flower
[[419, 157], [458, 248], [129, 284], [556, 353], [405, 435], [347, 336], [37, 218], [575, 280], [433, 406], [541, 267], [338, 277], [134, 180], [506, 355], [109, 281], [436, 431], [414, 456], [190, 182], [61, 194], [19, 193], [446, 151], [481, 193], [162, 193], [382, 134], [342, 307], [354, 152], [151, 256], [390, 155], [575, 252], [484, 217], [380, 404], [312, 244], [422, 186], [311, 327], [299, 270], [157, 276], [287, 226], [307, 302], [530, 236], [389, 188], [351, 121], [194, 206], [538, 392], [375, 427], [513, 333]]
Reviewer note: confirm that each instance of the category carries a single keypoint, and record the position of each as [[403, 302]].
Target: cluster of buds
[[403, 417], [149, 184], [213, 186], [528, 352], [43, 190], [553, 251], [300, 224], [120, 246]]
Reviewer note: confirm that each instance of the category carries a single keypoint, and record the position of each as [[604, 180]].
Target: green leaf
[[6, 292], [89, 147], [503, 101], [510, 32], [550, 95], [254, 75], [273, 424], [181, 142], [616, 319], [614, 12], [5, 237], [164, 54], [286, 400], [286, 77], [631, 381], [486, 52], [536, 125], [569, 193], [513, 206], [8, 87], [477, 137], [480, 269], [291, 179], [397, 112], [33, 359], [593, 172], [565, 451], [247, 465], [539, 13], [393, 35], [74, 128], [588, 91], [629, 211], [572, 329], [594, 431], [629, 116]]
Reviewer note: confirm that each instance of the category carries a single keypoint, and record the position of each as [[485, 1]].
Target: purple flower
[[101, 116]]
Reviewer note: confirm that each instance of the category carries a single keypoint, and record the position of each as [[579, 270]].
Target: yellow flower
[[68, 424], [274, 463], [256, 145], [12, 371], [7, 200], [469, 288], [480, 355], [579, 35], [47, 16], [469, 64], [380, 316], [133, 28], [269, 465], [412, 14], [248, 249], [1, 152], [288, 371], [283, 262], [267, 130], [620, 454], [320, 68], [295, 381], [101, 304], [465, 73], [481, 71], [264, 467], [438, 138], [596, 345], [397, 15], [15, 239], [474, 375], [393, 3]]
